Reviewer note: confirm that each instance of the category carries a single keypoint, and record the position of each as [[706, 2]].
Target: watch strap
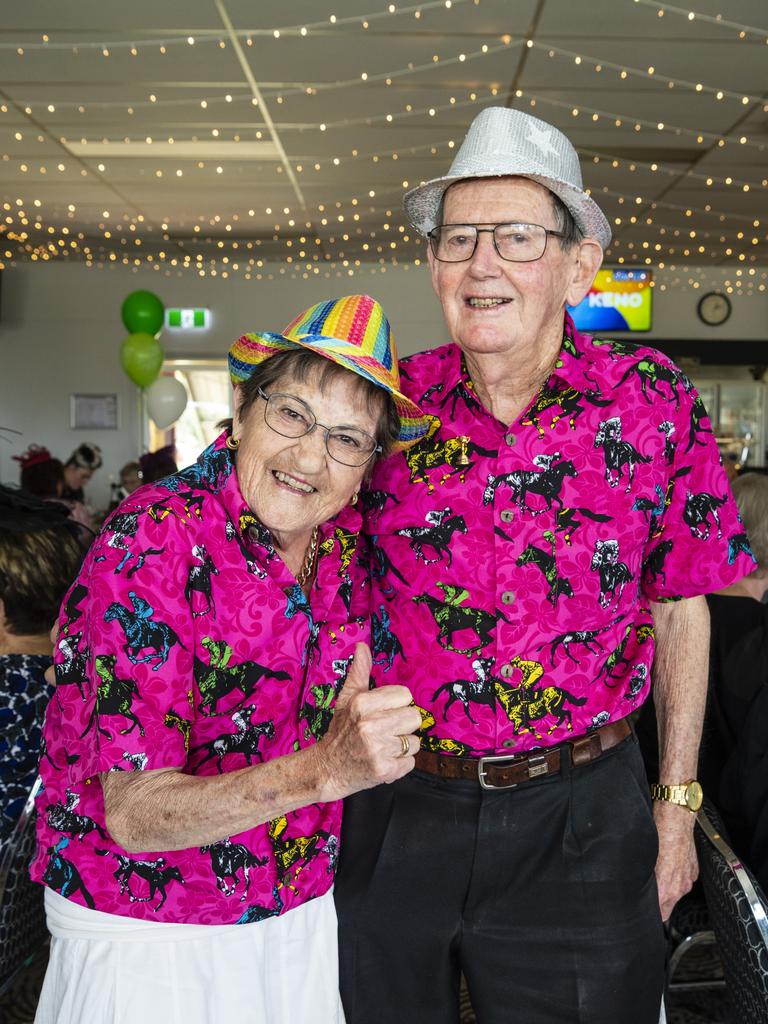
[[671, 794], [684, 794]]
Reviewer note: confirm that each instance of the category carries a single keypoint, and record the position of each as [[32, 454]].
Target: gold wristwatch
[[687, 794]]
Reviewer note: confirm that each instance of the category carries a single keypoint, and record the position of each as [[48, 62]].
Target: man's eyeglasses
[[291, 417], [517, 243]]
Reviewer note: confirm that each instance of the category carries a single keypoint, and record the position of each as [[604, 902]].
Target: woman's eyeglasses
[[291, 417]]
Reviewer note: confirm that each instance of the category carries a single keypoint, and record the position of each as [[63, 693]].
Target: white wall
[[674, 308], [60, 332]]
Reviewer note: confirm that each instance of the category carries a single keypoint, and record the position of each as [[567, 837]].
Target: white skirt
[[106, 969]]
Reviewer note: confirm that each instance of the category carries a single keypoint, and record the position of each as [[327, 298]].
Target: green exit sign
[[187, 319]]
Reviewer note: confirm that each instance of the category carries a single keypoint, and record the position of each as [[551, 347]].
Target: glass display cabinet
[[737, 410]]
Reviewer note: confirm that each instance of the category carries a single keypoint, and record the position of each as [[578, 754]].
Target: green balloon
[[141, 357], [143, 311]]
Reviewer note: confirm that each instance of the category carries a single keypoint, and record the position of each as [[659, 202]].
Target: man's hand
[[362, 747], [677, 867]]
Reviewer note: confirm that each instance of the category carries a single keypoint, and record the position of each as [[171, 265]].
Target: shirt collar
[[572, 368], [576, 359]]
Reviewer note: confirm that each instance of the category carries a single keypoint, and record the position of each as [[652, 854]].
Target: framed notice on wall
[[93, 412]]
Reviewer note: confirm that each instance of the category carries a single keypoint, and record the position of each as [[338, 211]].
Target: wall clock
[[714, 308]]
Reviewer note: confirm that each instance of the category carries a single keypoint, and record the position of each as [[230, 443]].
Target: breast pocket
[[326, 675]]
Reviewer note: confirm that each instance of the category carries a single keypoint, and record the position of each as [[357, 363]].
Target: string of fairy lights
[[743, 31], [617, 120], [133, 47], [344, 237], [281, 91], [108, 48], [636, 125], [688, 246]]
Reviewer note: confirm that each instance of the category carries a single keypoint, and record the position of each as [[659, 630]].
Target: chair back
[[739, 914], [22, 915]]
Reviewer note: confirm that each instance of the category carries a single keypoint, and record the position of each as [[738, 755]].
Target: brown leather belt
[[506, 772]]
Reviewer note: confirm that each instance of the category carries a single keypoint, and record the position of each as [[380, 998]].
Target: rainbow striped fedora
[[353, 332]]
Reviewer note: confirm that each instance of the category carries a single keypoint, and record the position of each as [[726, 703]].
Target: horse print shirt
[[186, 643], [513, 565]]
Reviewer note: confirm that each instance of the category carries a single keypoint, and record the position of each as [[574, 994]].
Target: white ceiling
[[239, 168]]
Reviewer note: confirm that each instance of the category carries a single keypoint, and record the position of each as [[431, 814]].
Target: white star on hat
[[541, 139]]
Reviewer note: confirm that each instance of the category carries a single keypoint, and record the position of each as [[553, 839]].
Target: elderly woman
[[189, 828]]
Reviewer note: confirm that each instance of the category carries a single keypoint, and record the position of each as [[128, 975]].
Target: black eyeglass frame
[[377, 449], [434, 238]]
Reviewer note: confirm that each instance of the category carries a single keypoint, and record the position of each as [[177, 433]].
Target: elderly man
[[567, 490]]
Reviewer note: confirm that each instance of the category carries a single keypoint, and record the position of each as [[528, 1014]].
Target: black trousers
[[544, 896]]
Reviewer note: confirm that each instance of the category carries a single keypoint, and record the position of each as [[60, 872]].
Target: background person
[[189, 827], [79, 468], [155, 465], [131, 478], [734, 754], [564, 490], [39, 558], [43, 475], [40, 474]]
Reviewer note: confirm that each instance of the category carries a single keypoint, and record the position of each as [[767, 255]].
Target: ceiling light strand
[[210, 36], [716, 19]]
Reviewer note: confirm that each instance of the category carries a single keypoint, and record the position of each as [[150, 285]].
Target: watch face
[[694, 796], [714, 308]]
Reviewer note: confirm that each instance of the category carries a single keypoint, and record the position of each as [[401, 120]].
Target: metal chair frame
[[10, 852], [743, 948]]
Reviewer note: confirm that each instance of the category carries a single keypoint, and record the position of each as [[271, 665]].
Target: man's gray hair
[[751, 494]]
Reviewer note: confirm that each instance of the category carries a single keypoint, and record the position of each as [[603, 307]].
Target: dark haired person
[[158, 464], [43, 475], [39, 558], [40, 473], [79, 468], [734, 755]]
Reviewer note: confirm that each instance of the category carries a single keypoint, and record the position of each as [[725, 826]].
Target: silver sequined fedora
[[502, 141]]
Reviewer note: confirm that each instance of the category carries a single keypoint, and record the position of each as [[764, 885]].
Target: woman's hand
[[363, 745], [167, 809]]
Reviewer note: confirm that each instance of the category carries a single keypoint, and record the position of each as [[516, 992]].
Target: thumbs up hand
[[358, 676], [371, 737]]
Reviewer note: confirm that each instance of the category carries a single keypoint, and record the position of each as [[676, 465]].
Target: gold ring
[[405, 743]]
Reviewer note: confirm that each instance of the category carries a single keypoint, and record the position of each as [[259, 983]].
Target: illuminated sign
[[187, 319], [619, 300]]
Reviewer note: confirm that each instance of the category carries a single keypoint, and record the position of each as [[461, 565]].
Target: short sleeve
[[698, 544]]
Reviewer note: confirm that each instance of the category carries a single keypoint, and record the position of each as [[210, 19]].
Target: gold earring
[[353, 499], [233, 443]]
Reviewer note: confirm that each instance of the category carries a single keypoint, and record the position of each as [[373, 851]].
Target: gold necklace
[[309, 560]]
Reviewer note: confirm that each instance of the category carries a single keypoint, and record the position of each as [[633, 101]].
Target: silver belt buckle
[[495, 759], [537, 765]]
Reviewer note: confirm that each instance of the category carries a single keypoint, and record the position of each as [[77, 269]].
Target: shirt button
[[506, 515], [506, 671], [508, 597], [508, 743], [510, 439]]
